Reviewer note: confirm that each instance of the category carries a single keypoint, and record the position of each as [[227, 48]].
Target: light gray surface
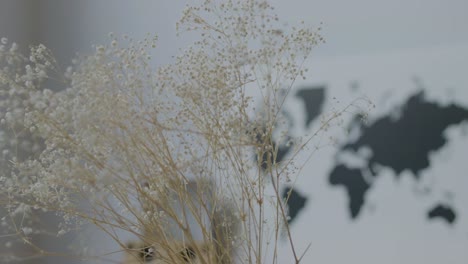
[[350, 27]]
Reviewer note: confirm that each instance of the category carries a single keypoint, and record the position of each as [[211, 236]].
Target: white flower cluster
[[120, 133]]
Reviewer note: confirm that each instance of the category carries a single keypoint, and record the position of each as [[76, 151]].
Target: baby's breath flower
[[27, 230], [129, 141]]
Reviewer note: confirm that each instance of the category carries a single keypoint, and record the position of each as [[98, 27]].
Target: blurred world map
[[398, 142], [393, 183]]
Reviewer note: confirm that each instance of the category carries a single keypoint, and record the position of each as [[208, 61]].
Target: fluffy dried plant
[[157, 153]]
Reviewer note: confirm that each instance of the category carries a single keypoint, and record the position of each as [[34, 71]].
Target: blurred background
[[390, 190]]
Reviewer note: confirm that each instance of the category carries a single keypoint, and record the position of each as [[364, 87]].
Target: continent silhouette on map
[[442, 211], [267, 157], [399, 143], [313, 98], [355, 184], [295, 202], [405, 143]]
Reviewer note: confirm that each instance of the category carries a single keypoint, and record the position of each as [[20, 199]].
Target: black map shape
[[313, 100], [405, 143], [269, 157], [442, 211], [296, 202], [355, 184], [402, 143]]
